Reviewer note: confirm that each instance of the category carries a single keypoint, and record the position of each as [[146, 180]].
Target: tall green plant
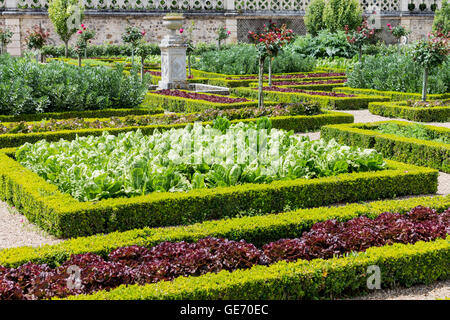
[[5, 38], [66, 16], [442, 18], [314, 17], [268, 44], [339, 13]]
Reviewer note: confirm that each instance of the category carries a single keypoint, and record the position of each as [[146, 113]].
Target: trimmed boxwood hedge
[[62, 215], [233, 83], [410, 150], [400, 264], [295, 123], [179, 104], [401, 110], [304, 86], [393, 95], [326, 102], [143, 110], [258, 230]]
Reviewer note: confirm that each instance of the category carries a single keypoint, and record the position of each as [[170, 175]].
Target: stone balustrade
[[383, 6]]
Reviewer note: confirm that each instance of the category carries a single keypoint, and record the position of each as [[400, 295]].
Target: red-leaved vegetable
[[199, 96], [166, 261]]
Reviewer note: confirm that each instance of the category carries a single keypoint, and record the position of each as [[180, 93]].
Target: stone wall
[[110, 26]]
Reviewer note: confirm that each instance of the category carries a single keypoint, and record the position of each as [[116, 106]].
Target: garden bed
[[327, 100], [15, 134], [434, 154], [142, 110], [321, 85], [393, 95], [185, 101], [137, 264], [245, 81], [256, 229], [400, 265], [62, 215], [434, 111]]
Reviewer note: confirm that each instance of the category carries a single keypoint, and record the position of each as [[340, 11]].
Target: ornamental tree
[[133, 36], [36, 38], [5, 38], [398, 31], [268, 44], [84, 37], [143, 50], [222, 34], [66, 16], [190, 45], [431, 53], [363, 35]]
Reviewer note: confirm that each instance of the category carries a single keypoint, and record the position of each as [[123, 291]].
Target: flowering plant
[[361, 36], [133, 36], [398, 31], [5, 38], [269, 43], [36, 38], [84, 37], [222, 34], [431, 53]]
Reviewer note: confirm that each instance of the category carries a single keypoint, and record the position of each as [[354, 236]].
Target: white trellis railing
[[383, 6]]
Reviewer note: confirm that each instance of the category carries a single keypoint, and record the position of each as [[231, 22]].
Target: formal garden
[[287, 166]]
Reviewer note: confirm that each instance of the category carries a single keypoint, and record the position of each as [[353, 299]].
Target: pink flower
[[228, 32], [82, 25], [143, 32], [80, 31], [181, 30], [389, 25]]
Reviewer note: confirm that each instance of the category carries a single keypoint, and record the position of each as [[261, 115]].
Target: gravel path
[[16, 231], [437, 290], [364, 116]]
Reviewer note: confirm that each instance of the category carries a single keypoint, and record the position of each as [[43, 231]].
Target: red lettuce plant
[[199, 96], [167, 260]]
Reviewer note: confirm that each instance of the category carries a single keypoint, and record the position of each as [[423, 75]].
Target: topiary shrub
[[314, 17], [339, 13]]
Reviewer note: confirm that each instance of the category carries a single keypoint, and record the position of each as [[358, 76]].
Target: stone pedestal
[[173, 56]]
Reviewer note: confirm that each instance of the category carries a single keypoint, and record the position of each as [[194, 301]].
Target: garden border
[[401, 110], [62, 215], [255, 229], [101, 113], [326, 102], [393, 95], [301, 123], [410, 150], [400, 264], [180, 104]]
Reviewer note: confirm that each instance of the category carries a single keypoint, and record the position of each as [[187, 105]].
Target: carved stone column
[[173, 56]]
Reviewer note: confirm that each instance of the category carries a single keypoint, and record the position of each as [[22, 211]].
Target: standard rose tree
[[84, 37], [269, 43], [36, 38], [133, 36], [5, 38], [431, 53], [362, 36]]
